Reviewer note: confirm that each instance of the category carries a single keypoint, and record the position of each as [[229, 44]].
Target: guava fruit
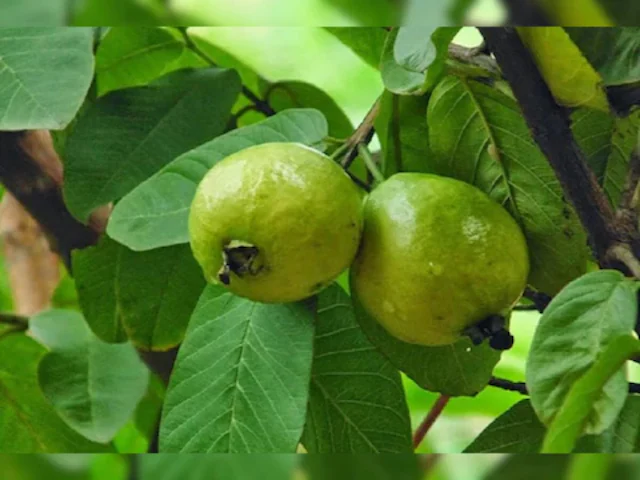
[[438, 256], [276, 222]]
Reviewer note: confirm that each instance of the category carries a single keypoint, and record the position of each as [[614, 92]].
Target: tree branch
[[362, 135], [521, 387], [550, 126], [31, 170]]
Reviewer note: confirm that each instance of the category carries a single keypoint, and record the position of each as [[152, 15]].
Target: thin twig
[[551, 129], [539, 299], [428, 463], [14, 320], [363, 134], [521, 387], [429, 420], [261, 105]]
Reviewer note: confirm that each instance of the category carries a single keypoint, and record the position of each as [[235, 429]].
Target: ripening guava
[[437, 256], [276, 222]]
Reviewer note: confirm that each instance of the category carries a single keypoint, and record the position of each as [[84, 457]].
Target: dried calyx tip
[[494, 328], [240, 258]]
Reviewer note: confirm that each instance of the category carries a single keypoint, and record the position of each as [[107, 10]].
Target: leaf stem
[[430, 420], [365, 154]]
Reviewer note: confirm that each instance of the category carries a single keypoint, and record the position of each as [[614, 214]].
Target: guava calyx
[[493, 328], [241, 258]]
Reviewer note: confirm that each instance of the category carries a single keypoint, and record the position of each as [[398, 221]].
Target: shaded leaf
[[477, 134], [614, 52], [241, 380], [121, 300], [217, 467], [574, 329], [453, 370], [621, 437], [156, 213], [94, 386], [363, 467], [293, 94], [28, 423], [518, 430], [130, 57], [397, 78], [403, 132], [607, 143], [128, 135], [357, 402], [45, 74]]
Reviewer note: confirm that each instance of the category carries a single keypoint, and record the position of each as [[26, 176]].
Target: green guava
[[438, 256], [276, 222]]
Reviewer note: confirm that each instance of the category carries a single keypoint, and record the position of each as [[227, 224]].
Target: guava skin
[[437, 256], [286, 211]]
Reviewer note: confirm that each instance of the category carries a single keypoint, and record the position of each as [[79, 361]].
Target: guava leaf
[[217, 467], [156, 213], [293, 94], [607, 143], [131, 57], [403, 132], [623, 12], [518, 430], [453, 370], [527, 467], [612, 51], [357, 402], [621, 437], [578, 13], [132, 13], [422, 49], [578, 324], [366, 42], [45, 74], [35, 13], [29, 423], [570, 77], [128, 135], [241, 379], [94, 386], [363, 467], [396, 78], [478, 135], [122, 301]]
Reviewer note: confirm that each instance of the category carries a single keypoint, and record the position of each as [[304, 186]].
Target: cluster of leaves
[[142, 114]]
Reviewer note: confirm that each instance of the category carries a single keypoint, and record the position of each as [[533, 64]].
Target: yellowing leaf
[[570, 77]]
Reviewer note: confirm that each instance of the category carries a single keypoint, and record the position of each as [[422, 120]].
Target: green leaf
[[134, 13], [423, 49], [367, 13], [453, 370], [529, 467], [363, 467], [518, 430], [613, 52], [35, 13], [37, 467], [121, 300], [397, 78], [572, 417], [292, 94], [241, 379], [357, 402], [130, 57], [621, 437], [28, 423], [573, 331], [156, 213], [128, 135], [109, 467], [366, 42], [623, 11], [478, 135], [155, 309], [607, 143], [45, 74], [217, 467], [94, 386], [403, 132], [96, 271]]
